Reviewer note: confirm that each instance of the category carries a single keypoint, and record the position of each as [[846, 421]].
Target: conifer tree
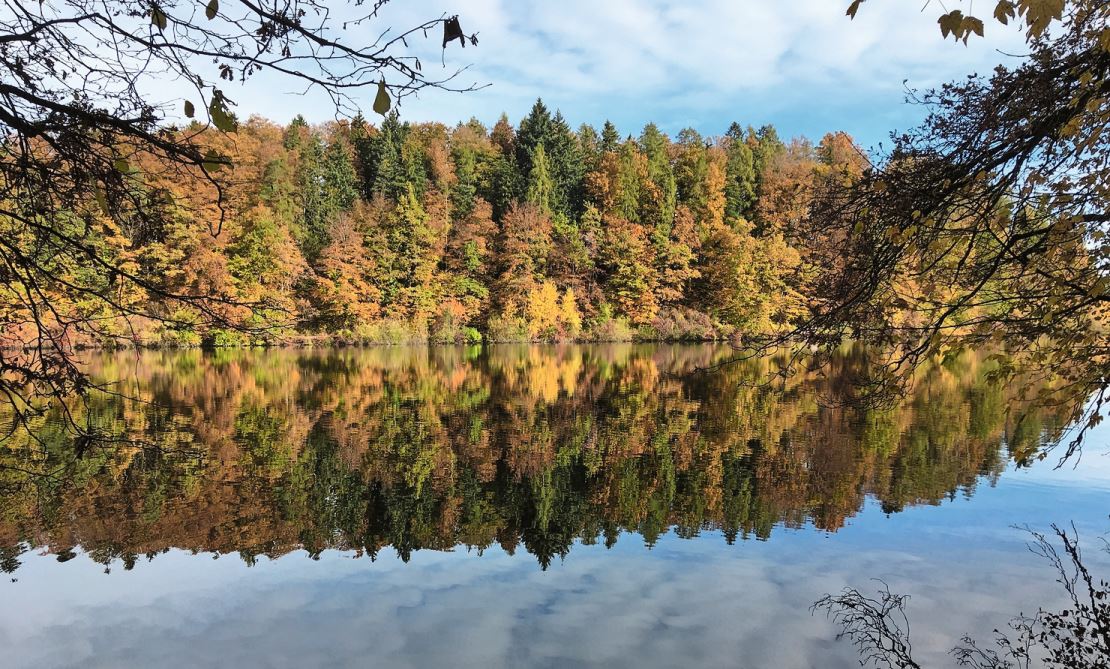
[[610, 138], [740, 174]]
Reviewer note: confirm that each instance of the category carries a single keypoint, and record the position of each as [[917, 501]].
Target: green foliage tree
[[740, 174], [540, 191]]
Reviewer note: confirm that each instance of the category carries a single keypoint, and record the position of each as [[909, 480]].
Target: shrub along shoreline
[[393, 333]]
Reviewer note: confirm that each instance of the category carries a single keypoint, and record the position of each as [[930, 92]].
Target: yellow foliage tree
[[568, 314], [543, 310]]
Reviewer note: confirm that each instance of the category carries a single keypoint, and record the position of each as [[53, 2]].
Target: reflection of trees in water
[[262, 453]]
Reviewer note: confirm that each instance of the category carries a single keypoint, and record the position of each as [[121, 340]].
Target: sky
[[799, 64]]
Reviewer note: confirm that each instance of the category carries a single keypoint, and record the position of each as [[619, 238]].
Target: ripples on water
[[547, 471]]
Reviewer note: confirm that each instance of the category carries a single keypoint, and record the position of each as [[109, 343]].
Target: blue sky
[[800, 64]]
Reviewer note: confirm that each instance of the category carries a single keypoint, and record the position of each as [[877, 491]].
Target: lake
[[507, 506]]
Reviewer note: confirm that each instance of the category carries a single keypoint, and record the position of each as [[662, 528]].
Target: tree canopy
[[987, 225], [87, 155]]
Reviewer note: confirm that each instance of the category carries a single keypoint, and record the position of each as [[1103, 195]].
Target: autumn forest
[[420, 232]]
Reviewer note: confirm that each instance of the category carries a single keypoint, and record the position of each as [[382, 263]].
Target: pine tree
[[589, 146], [364, 150], [691, 169], [766, 148], [566, 166], [502, 185], [610, 138], [534, 130], [413, 239], [470, 155], [661, 198], [414, 163], [277, 190], [740, 174], [340, 179], [632, 183], [384, 152], [327, 184], [295, 133], [312, 222]]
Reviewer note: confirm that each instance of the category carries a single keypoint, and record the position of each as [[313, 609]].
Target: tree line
[[423, 232]]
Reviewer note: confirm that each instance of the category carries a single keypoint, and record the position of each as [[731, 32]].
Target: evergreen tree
[[449, 225], [312, 222], [589, 146], [340, 179], [610, 138], [384, 150], [654, 145], [413, 239], [534, 129], [414, 163], [502, 185], [277, 189], [364, 149], [295, 133], [740, 174], [632, 183], [766, 148], [327, 184], [566, 166], [691, 166], [466, 187]]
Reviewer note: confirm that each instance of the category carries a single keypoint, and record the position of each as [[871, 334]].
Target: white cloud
[[800, 64], [686, 603]]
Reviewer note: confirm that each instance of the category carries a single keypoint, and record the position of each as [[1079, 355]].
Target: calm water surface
[[519, 506]]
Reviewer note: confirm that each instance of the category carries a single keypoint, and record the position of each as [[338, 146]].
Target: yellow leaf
[[972, 24], [381, 100], [158, 18], [951, 23], [221, 115], [214, 161], [1004, 11]]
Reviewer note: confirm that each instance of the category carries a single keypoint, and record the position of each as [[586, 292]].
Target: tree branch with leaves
[[88, 154]]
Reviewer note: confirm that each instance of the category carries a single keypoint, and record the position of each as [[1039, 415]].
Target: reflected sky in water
[[844, 507]]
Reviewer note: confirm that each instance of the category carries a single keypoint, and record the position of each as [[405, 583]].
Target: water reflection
[[533, 448]]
